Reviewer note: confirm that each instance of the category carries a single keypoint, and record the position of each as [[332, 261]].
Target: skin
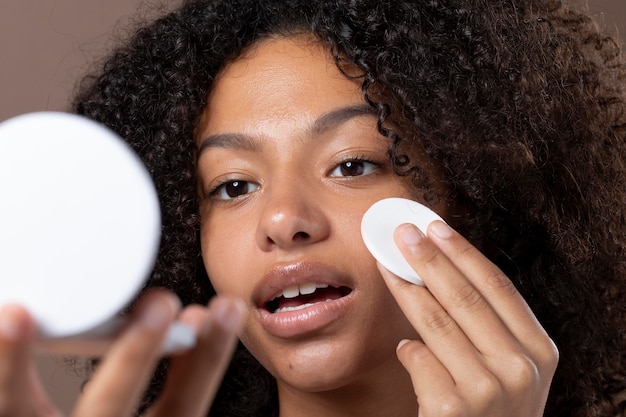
[[117, 385], [302, 212], [282, 205], [275, 197]]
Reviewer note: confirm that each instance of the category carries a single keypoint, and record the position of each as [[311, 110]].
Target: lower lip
[[292, 324]]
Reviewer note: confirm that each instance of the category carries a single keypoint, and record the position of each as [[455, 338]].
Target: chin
[[318, 366]]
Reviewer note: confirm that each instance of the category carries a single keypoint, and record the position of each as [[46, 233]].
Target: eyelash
[[213, 192], [358, 159]]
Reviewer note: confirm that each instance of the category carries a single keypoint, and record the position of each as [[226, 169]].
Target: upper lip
[[283, 276]]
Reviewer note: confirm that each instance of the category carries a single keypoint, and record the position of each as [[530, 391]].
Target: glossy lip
[[291, 324]]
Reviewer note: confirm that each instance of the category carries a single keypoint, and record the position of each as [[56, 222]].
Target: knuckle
[[522, 373], [548, 356], [467, 298], [438, 321], [487, 387], [431, 259], [448, 406], [496, 279], [466, 250]]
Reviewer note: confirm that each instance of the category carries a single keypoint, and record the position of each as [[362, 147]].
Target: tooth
[[307, 289], [294, 308], [300, 307], [321, 285], [291, 292]]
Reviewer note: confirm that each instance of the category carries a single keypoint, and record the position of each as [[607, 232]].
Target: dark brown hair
[[520, 102]]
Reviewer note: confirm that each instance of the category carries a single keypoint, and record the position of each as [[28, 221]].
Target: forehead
[[277, 80]]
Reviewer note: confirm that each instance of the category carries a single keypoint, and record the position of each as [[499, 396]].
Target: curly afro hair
[[521, 103]]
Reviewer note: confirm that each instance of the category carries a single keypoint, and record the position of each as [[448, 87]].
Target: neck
[[386, 391]]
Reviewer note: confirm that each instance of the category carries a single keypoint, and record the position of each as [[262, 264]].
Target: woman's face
[[289, 160]]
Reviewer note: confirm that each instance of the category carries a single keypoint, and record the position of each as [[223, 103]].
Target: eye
[[353, 168], [232, 189]]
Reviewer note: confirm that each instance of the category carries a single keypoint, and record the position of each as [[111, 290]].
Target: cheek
[[223, 254]]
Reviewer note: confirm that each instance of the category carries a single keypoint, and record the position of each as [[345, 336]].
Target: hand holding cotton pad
[[79, 229], [378, 227]]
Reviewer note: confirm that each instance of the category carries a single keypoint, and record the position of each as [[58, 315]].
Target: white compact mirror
[[378, 227], [79, 223]]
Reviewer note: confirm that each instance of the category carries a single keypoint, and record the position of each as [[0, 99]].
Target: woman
[[270, 127]]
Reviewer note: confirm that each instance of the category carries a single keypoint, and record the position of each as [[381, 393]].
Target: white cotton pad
[[79, 222], [379, 224]]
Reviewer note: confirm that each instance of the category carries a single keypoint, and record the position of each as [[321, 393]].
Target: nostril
[[297, 237], [301, 236]]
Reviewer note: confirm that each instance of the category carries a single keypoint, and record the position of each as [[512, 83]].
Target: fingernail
[[11, 327], [402, 343], [158, 314], [409, 234], [440, 229], [230, 314]]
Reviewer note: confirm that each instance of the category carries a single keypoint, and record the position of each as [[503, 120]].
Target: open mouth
[[299, 297]]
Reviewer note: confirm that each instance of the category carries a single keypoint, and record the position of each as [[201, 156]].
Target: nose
[[291, 217]]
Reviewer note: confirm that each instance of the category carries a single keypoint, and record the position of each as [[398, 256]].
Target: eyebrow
[[322, 124], [334, 118]]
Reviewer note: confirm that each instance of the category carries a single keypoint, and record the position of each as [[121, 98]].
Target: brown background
[[45, 45]]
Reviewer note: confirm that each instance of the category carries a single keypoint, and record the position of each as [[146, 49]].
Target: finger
[[125, 371], [452, 318], [504, 361], [483, 379], [455, 292], [494, 317], [438, 330], [21, 392], [495, 288], [16, 335], [195, 375], [427, 373]]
